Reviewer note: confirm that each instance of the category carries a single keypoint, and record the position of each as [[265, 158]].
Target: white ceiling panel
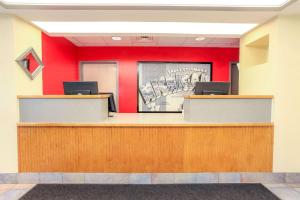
[[169, 45], [151, 3], [139, 41], [214, 42], [2, 10], [124, 42], [144, 45], [171, 40], [293, 9], [153, 41], [90, 40]]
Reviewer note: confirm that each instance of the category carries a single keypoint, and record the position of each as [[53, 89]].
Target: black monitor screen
[[208, 88], [111, 102], [84, 88]]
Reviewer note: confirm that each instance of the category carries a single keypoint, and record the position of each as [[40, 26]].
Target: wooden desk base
[[143, 149]]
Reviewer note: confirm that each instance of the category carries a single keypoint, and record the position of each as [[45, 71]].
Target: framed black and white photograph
[[163, 85]]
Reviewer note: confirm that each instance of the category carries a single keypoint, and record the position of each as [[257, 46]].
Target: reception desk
[[145, 143]]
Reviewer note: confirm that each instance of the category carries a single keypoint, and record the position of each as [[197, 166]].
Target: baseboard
[[147, 178]]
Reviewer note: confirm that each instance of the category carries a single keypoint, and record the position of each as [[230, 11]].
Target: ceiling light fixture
[[200, 38], [116, 38], [185, 28], [199, 3]]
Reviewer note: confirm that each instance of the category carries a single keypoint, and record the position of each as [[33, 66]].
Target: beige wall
[[8, 110], [256, 62], [16, 37], [287, 91], [25, 36], [278, 75]]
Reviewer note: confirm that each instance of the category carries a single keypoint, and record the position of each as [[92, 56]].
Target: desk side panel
[[228, 110], [63, 110]]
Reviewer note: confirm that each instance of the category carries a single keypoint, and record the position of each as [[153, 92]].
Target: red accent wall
[[128, 57], [59, 56], [61, 59]]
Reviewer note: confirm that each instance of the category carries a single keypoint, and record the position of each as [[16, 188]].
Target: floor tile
[[73, 178], [297, 189], [293, 178], [23, 186], [229, 178], [6, 186], [274, 185], [10, 178], [182, 178], [13, 194], [107, 178], [50, 178], [27, 178], [163, 178], [142, 178], [263, 178], [294, 185], [207, 178], [286, 193]]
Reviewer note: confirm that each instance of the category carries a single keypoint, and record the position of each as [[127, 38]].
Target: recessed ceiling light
[[199, 3], [186, 28], [200, 38], [116, 38]]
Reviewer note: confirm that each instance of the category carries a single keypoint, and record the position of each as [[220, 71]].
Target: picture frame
[[161, 86], [30, 62]]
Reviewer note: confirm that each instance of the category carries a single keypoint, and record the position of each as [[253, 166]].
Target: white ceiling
[[146, 15], [2, 10], [257, 16], [152, 3], [154, 41], [215, 15], [293, 9]]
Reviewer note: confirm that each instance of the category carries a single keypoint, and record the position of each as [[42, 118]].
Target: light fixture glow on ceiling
[[116, 38], [199, 3], [200, 38], [144, 28]]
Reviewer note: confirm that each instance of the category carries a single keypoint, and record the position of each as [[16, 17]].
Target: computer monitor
[[111, 101], [83, 88], [212, 88]]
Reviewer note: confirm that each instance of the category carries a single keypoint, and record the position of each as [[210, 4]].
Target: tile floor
[[283, 191], [13, 191]]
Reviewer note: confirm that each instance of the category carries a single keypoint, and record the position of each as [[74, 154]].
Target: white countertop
[[143, 119]]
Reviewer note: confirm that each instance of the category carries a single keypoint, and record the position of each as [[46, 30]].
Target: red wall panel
[[60, 59], [128, 57]]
